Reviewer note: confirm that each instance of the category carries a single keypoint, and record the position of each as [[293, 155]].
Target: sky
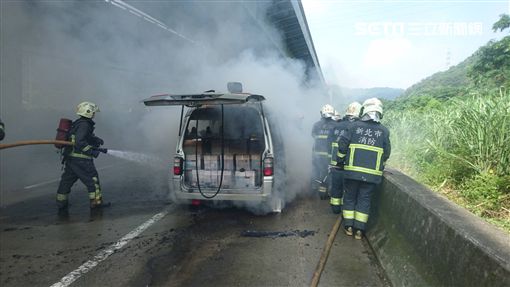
[[364, 44]]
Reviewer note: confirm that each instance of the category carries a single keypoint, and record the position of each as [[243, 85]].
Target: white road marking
[[58, 179], [105, 253], [41, 184]]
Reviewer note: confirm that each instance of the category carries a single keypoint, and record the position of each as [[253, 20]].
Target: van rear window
[[240, 123]]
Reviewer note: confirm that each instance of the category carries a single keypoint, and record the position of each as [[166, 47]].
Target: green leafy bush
[[464, 145], [487, 194]]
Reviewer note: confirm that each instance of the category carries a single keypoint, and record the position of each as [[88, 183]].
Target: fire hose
[[34, 142], [39, 142], [325, 253]]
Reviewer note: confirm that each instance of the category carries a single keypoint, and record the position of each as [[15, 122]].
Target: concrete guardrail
[[422, 239]]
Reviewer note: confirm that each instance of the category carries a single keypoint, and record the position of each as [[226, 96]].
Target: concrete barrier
[[422, 239]]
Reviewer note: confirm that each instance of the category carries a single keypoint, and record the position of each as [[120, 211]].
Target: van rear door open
[[194, 100]]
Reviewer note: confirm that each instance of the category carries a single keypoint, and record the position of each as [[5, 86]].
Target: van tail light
[[178, 166], [268, 166]]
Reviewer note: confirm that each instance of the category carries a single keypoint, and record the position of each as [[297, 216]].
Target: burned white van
[[226, 151]]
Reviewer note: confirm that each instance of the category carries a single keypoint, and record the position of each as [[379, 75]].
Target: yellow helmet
[[87, 109], [353, 109], [372, 105]]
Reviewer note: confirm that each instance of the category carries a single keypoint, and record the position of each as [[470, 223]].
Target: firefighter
[[2, 130], [365, 147], [320, 158], [78, 158], [337, 180]]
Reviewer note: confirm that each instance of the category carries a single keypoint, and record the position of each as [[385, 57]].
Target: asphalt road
[[143, 240]]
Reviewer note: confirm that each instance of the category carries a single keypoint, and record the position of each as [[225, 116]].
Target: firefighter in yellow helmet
[[320, 156], [363, 150], [78, 158]]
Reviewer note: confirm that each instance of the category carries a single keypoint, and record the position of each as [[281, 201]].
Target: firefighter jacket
[[339, 129], [82, 136], [320, 132], [364, 148]]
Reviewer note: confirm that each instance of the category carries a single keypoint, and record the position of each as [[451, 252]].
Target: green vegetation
[[451, 131]]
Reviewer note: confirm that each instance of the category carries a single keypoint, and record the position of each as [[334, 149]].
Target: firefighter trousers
[[85, 171], [336, 190], [319, 173], [356, 203]]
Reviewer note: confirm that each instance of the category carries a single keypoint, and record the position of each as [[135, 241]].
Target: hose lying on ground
[[34, 142], [325, 253]]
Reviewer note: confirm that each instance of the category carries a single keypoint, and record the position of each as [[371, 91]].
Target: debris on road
[[276, 234]]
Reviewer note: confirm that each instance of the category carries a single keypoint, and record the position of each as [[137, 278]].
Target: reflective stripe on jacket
[[365, 147]]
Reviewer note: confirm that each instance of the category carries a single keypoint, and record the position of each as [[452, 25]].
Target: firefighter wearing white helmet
[[353, 110], [78, 158], [363, 152], [372, 109], [336, 189], [327, 111], [320, 152]]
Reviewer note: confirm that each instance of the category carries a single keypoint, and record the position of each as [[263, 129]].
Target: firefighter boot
[[62, 205], [336, 209], [358, 235], [348, 230], [323, 192], [98, 203]]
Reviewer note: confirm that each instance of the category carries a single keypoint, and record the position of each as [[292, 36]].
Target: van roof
[[206, 98]]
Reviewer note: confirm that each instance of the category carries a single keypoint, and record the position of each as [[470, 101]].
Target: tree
[[492, 64], [502, 24]]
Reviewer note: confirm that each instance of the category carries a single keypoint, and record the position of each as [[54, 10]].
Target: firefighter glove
[[98, 141], [103, 150]]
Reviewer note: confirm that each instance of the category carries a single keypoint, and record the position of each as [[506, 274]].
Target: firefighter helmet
[[372, 105], [353, 109], [87, 109], [327, 111]]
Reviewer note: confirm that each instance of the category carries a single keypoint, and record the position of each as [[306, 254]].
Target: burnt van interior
[[243, 145]]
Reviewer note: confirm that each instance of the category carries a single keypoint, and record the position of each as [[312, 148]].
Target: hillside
[[342, 96], [487, 69], [444, 85]]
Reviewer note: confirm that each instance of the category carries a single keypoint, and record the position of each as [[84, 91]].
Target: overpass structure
[[289, 17]]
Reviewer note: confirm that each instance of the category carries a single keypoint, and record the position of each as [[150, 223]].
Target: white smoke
[[59, 53]]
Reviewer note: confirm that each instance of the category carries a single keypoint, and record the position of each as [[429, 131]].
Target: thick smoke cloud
[[56, 54]]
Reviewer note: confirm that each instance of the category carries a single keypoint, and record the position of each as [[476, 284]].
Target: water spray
[[136, 157]]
